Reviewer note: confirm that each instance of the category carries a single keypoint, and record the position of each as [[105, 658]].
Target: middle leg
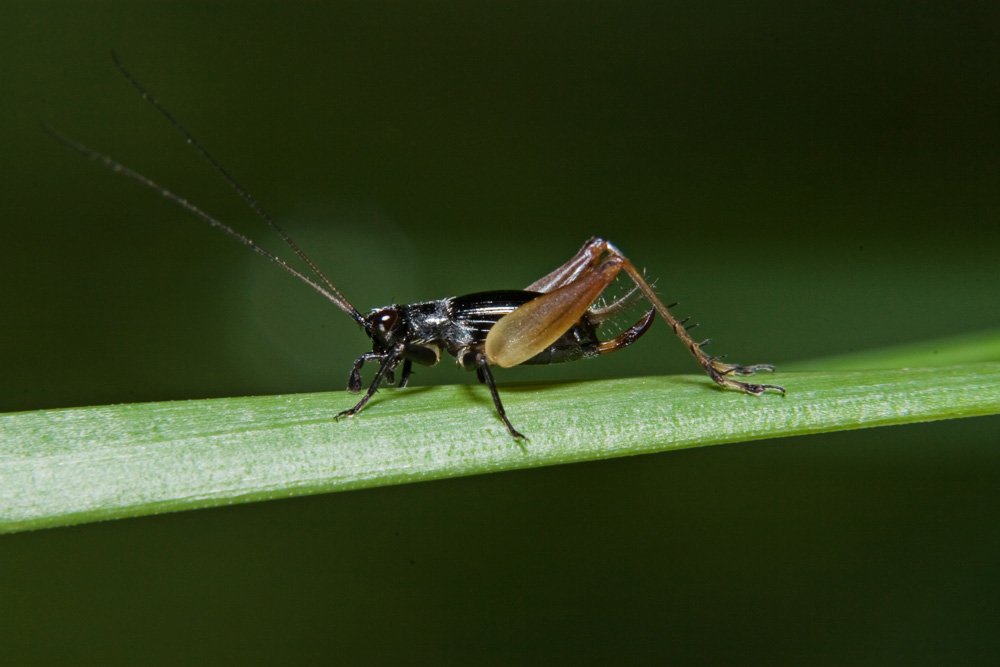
[[486, 377]]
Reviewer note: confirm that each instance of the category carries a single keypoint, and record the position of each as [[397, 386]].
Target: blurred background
[[806, 179]]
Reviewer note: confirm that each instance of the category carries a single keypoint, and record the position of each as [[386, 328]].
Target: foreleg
[[389, 362], [354, 381]]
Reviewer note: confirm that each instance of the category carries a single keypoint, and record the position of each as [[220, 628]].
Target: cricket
[[553, 320]]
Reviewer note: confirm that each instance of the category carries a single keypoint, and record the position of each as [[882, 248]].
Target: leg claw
[[722, 374]]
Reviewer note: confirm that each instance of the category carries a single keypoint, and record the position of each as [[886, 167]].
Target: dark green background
[[807, 179]]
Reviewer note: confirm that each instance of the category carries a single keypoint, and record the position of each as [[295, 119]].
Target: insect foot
[[722, 373]]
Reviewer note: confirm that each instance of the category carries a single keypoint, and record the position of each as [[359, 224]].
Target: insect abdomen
[[477, 313]]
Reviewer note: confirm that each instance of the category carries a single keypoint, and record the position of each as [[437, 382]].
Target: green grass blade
[[963, 349], [59, 467]]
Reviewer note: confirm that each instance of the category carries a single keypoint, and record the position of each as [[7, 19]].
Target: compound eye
[[386, 320]]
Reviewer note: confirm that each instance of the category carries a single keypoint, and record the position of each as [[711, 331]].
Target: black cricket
[[553, 320]]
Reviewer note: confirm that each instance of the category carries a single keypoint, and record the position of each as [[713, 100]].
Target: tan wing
[[520, 335]]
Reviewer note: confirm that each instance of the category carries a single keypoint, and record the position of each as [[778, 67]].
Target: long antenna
[[327, 289], [334, 296]]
